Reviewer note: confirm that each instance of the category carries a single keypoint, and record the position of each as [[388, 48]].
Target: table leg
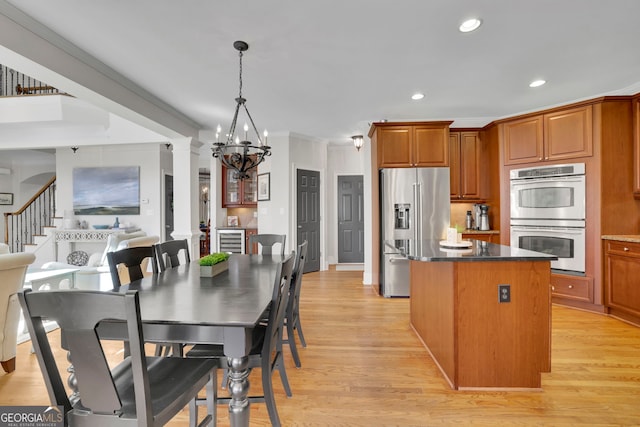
[[239, 390]]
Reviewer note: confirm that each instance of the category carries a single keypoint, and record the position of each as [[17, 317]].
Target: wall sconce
[[358, 140], [74, 149]]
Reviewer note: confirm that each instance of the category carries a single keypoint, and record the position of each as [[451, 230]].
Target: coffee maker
[[484, 218], [481, 217]]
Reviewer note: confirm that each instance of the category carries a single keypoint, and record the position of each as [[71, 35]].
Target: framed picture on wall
[[106, 190], [6, 198], [264, 186]]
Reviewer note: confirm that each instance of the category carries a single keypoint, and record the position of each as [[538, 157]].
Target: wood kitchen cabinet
[[485, 237], [558, 135], [415, 144], [636, 146], [622, 289], [239, 193], [248, 233], [465, 162]]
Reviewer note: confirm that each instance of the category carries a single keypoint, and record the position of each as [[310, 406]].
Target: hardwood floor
[[364, 366]]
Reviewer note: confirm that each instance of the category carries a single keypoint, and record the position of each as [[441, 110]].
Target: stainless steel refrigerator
[[414, 206]]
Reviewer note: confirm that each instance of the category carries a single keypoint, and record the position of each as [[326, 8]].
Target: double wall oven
[[548, 210]]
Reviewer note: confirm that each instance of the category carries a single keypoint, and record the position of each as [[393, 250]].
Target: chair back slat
[[267, 241], [133, 260], [168, 253], [78, 314], [296, 280], [278, 309]]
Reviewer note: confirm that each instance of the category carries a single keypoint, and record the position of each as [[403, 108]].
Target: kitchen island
[[483, 313]]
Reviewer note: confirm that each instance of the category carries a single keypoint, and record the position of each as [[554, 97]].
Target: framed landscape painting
[[106, 190]]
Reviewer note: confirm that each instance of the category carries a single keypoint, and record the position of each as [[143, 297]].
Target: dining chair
[[139, 390], [168, 253], [266, 350], [267, 241], [292, 316], [133, 260]]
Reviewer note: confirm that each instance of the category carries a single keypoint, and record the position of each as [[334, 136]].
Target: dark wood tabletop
[[236, 297]]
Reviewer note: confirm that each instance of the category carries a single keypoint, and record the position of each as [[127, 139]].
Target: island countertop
[[432, 251]]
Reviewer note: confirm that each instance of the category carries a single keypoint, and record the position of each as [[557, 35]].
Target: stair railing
[[21, 226]]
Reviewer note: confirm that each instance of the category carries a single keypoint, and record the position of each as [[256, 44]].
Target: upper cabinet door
[[568, 134], [394, 146], [239, 193], [560, 135], [523, 140], [431, 146], [470, 153]]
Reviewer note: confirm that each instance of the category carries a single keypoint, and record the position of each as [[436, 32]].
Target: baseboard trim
[[350, 267]]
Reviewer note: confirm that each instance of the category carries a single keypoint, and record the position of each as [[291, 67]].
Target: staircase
[[27, 229]]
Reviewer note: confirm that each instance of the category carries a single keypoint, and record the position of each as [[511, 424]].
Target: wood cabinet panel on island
[[412, 144], [558, 135], [478, 337]]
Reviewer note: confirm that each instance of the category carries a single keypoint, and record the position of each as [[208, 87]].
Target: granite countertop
[[431, 250], [633, 238]]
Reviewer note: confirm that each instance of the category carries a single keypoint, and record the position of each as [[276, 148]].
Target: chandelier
[[240, 155]]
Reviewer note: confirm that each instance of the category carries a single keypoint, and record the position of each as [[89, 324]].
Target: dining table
[[181, 306]]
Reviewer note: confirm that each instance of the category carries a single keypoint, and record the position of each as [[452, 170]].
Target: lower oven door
[[568, 244]]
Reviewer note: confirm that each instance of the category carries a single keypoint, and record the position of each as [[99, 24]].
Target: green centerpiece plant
[[213, 264]]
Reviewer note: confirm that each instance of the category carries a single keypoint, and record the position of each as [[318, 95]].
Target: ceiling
[[327, 69]]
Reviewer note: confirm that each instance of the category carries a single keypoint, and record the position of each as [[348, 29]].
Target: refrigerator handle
[[416, 212]]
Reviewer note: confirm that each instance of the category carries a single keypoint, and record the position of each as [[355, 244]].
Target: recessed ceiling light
[[470, 25], [537, 83], [417, 96]]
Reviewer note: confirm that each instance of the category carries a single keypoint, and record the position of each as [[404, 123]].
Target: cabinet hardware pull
[[553, 288], [570, 286], [626, 249]]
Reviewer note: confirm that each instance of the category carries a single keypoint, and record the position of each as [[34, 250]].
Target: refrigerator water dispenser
[[402, 213]]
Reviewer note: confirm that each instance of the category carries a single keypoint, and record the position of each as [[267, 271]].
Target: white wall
[[146, 156], [341, 160], [274, 215]]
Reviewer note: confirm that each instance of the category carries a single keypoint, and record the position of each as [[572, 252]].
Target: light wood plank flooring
[[364, 366]]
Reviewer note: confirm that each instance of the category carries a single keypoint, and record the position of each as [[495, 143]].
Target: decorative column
[[186, 192]]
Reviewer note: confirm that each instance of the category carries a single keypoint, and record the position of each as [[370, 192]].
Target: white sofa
[[95, 275], [13, 268]]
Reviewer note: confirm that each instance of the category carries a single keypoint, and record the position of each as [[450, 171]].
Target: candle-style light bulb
[[237, 140], [246, 129], [218, 130], [266, 134]]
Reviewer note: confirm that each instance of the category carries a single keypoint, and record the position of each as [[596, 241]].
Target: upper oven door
[[548, 198]]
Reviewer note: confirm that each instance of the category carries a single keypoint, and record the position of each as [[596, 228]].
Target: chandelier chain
[[240, 78]]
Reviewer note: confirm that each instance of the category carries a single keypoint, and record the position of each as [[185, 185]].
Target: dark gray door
[[308, 220], [168, 207], [350, 219]]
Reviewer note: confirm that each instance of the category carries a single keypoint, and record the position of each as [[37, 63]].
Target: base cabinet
[[485, 237], [622, 288]]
